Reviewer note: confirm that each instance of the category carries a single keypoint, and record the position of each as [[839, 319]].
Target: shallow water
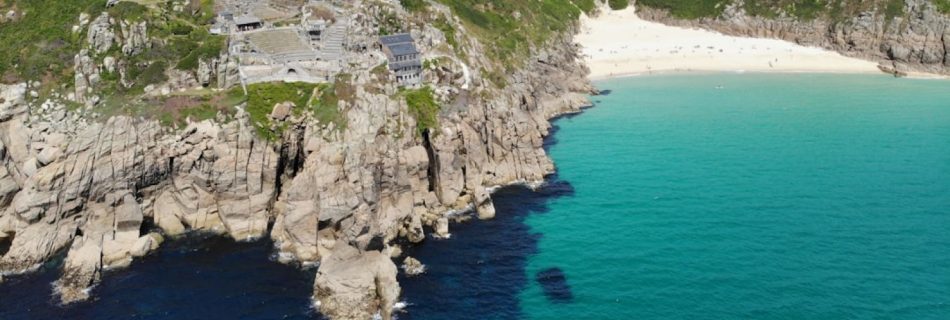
[[775, 197]]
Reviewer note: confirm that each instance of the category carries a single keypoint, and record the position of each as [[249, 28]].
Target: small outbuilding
[[248, 23]]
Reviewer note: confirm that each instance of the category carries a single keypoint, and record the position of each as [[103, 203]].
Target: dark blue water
[[479, 272], [193, 278]]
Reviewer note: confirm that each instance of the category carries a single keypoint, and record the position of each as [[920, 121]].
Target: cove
[[715, 196]]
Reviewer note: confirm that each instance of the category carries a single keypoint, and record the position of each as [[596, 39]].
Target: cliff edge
[[341, 185]]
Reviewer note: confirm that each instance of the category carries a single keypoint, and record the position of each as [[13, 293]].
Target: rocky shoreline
[[108, 192], [918, 41]]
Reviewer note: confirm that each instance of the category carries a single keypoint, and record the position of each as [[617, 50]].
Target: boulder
[[48, 155], [282, 111], [442, 227], [146, 244], [413, 267], [355, 285]]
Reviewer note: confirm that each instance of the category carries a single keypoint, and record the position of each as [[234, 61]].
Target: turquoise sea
[[750, 196]]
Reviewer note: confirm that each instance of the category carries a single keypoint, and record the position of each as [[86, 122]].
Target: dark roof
[[242, 20], [403, 49], [395, 39]]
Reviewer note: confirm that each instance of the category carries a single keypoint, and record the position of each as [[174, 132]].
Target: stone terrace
[[279, 41]]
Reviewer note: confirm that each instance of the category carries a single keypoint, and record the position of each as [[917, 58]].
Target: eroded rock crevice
[[5, 241]]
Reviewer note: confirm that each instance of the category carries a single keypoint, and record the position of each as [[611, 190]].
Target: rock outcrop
[[90, 188], [135, 37], [105, 193], [413, 267], [101, 36], [918, 40], [356, 285]]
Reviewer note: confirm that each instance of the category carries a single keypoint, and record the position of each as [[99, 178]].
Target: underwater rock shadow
[[481, 270], [554, 284]]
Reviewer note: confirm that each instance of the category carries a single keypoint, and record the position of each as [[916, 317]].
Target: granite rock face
[[105, 193], [917, 41], [100, 35], [109, 181]]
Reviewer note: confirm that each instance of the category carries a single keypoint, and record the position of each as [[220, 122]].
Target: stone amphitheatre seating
[[278, 42], [282, 45]]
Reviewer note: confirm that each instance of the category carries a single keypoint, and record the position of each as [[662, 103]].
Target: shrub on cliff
[[423, 107], [618, 4], [38, 41], [509, 29]]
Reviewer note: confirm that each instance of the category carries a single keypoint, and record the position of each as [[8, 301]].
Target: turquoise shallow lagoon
[[750, 196]]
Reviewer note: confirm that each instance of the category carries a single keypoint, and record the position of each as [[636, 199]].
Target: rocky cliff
[[915, 40], [102, 193]]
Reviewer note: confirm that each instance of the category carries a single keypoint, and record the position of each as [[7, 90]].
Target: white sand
[[619, 43]]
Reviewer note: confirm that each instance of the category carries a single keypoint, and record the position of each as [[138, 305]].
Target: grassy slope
[[422, 107], [40, 43], [509, 29]]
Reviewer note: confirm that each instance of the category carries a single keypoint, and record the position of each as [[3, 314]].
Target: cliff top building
[[403, 58], [247, 23]]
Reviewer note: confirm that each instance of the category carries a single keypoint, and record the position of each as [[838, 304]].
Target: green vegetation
[[381, 70], [39, 42], [806, 9], [128, 10], [587, 6], [326, 108], [198, 45], [422, 107], [262, 97], [508, 29], [202, 11], [689, 9], [320, 101], [942, 6], [450, 35], [894, 8], [760, 9], [618, 4], [154, 73], [414, 5]]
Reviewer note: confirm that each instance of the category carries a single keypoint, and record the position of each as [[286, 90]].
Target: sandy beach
[[619, 43]]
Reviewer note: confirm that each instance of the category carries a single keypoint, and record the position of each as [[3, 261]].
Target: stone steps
[[333, 42]]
